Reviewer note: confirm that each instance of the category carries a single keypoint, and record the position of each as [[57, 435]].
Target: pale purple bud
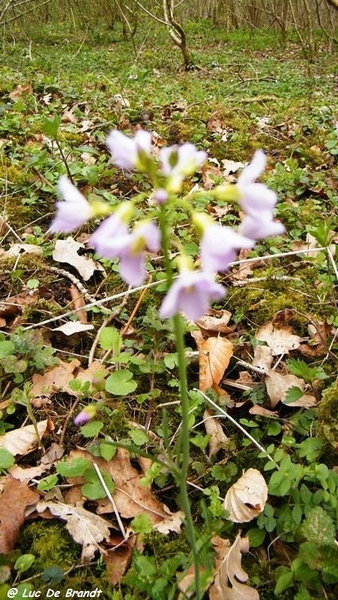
[[260, 226], [82, 418]]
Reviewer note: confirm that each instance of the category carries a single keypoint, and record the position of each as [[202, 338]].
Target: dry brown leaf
[[23, 440], [131, 498], [263, 412], [26, 475], [186, 581], [229, 582], [85, 527], [214, 356], [277, 386], [215, 321], [246, 498], [262, 358], [57, 378], [66, 251], [79, 304], [117, 560], [280, 340], [171, 523], [14, 499], [214, 428], [20, 90]]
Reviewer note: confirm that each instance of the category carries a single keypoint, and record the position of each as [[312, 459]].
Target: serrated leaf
[[293, 394], [138, 436], [121, 383], [110, 339], [107, 451], [91, 429]]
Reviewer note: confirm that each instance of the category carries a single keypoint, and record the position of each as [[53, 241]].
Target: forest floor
[[70, 335]]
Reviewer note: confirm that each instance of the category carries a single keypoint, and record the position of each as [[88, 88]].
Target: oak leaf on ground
[[214, 357], [24, 439]]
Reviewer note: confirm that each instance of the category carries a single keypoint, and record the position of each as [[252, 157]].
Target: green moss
[[50, 543], [327, 415]]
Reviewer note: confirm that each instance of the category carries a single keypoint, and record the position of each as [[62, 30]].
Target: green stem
[[183, 447]]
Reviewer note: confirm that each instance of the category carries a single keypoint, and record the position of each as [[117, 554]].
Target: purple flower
[[257, 201], [145, 236], [113, 240], [255, 196], [192, 294], [180, 161], [160, 196], [82, 418], [219, 245], [129, 153], [260, 226], [105, 235], [73, 212]]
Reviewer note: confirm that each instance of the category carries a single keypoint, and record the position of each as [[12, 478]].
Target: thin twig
[[110, 497]]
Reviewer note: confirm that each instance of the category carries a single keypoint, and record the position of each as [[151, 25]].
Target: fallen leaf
[[186, 581], [79, 304], [130, 497], [229, 582], [57, 378], [117, 560], [17, 249], [14, 499], [66, 251], [72, 327], [23, 440], [214, 428], [262, 358], [170, 523], [246, 498], [215, 321], [214, 356], [280, 340], [263, 412], [20, 90], [277, 386], [85, 527]]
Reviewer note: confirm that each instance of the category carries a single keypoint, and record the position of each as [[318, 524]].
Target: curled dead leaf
[[214, 357], [246, 498], [229, 582], [214, 428], [277, 386]]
